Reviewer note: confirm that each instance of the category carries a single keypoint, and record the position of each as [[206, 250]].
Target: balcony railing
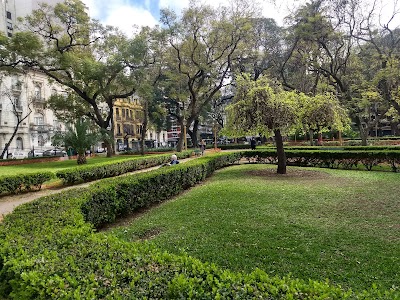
[[42, 128], [38, 99]]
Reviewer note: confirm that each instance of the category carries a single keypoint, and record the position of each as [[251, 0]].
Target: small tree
[[80, 138], [322, 112], [262, 106], [20, 113]]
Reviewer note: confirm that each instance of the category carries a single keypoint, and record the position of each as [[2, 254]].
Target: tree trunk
[[81, 160], [363, 132], [193, 133], [110, 149], [280, 152], [144, 126], [311, 137]]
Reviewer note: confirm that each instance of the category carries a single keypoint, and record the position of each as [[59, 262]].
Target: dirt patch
[[291, 173]]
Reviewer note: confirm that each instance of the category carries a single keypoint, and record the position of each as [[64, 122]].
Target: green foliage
[[22, 183], [111, 169], [49, 251], [329, 159], [261, 106]]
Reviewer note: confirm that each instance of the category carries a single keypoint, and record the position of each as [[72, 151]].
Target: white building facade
[[25, 94]]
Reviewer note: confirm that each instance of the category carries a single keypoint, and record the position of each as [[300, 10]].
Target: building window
[[118, 129], [9, 15], [9, 25], [38, 119], [20, 144], [117, 111], [163, 136], [40, 141], [37, 92]]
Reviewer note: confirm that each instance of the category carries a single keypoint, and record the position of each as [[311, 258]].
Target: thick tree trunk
[[363, 132], [193, 133], [311, 133], [280, 152], [81, 160], [144, 126], [110, 149]]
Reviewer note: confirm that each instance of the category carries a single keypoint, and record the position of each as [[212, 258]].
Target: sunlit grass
[[312, 223], [54, 166]]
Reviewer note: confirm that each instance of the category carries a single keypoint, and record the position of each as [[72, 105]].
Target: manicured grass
[[313, 223], [55, 166]]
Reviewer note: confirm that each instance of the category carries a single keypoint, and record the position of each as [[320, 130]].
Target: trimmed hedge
[[329, 159], [20, 183], [49, 250], [234, 146], [111, 169]]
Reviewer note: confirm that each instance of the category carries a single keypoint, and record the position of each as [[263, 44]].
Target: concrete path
[[9, 202]]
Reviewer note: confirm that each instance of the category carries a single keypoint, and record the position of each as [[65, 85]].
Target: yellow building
[[128, 119]]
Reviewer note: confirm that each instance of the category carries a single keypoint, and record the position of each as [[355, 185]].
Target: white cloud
[[125, 17], [176, 5], [120, 13]]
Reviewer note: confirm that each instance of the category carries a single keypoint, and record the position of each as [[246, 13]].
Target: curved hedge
[[111, 169], [50, 249], [23, 183]]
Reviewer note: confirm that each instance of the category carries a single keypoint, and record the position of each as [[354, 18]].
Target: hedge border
[[50, 250], [23, 183]]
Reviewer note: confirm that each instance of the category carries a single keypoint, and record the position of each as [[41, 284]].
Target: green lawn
[[312, 223], [55, 166]]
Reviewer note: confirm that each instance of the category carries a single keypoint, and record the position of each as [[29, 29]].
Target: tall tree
[[204, 42], [95, 64]]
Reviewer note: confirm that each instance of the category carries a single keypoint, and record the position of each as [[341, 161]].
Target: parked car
[[55, 152], [38, 153], [100, 150], [18, 155]]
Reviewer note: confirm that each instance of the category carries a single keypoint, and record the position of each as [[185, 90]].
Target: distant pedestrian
[[174, 160], [253, 143], [202, 146]]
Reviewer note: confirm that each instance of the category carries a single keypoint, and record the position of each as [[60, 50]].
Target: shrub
[[110, 169], [328, 159], [21, 183]]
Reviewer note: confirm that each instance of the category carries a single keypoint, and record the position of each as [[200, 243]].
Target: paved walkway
[[8, 203]]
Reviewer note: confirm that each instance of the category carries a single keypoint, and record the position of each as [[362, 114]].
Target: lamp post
[[184, 134], [33, 144]]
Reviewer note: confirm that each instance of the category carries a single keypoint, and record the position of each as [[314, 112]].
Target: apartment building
[[24, 95]]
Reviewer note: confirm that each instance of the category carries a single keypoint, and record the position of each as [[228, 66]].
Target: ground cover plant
[[312, 223]]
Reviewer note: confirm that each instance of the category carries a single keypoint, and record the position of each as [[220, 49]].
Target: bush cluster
[[21, 183], [110, 169], [51, 250], [329, 159]]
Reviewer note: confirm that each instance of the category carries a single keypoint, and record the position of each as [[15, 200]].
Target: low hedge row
[[49, 250], [234, 146], [111, 169], [329, 159], [19, 183]]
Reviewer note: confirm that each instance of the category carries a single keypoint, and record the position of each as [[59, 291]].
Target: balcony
[[42, 128], [18, 108], [38, 99]]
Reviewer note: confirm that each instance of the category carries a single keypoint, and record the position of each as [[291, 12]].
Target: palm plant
[[80, 138]]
